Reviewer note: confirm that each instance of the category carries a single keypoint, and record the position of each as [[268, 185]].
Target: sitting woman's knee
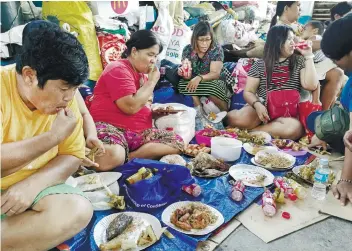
[[235, 118], [114, 156], [293, 129], [79, 213]]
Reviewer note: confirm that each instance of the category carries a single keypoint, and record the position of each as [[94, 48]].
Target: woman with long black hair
[[287, 12], [269, 80]]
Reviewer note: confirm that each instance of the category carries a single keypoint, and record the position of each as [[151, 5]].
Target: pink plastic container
[[207, 140]]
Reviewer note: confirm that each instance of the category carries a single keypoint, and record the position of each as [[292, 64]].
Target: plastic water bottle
[[321, 177]]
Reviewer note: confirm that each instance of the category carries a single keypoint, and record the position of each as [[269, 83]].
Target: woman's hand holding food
[[154, 74]]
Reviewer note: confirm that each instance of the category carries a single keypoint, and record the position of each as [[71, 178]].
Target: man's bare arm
[[55, 172], [16, 155]]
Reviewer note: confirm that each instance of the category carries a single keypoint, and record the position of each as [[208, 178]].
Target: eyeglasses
[[207, 40]]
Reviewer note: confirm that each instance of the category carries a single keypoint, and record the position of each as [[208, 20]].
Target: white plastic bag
[[181, 37], [163, 26], [234, 32], [183, 123], [209, 106]]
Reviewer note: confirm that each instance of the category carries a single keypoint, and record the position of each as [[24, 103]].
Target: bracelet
[[254, 103], [201, 78], [344, 180], [309, 57]]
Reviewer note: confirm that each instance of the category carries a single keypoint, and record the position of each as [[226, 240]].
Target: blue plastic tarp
[[215, 192]]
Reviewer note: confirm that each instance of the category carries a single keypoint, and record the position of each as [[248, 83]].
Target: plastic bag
[[241, 72], [181, 37], [163, 26], [182, 123], [209, 106], [111, 47], [305, 109], [237, 4], [80, 18], [237, 101], [234, 32], [158, 191]]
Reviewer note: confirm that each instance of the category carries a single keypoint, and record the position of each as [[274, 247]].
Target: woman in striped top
[[282, 70]]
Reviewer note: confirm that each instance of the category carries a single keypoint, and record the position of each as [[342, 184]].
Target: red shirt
[[117, 81]]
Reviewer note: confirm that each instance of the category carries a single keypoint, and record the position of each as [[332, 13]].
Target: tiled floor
[[332, 234]]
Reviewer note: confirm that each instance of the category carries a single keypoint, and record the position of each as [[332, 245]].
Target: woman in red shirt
[[121, 106]]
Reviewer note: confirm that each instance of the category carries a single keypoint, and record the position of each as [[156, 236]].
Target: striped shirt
[[281, 77], [319, 56]]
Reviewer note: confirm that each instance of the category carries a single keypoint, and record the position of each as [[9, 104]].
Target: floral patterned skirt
[[131, 141]]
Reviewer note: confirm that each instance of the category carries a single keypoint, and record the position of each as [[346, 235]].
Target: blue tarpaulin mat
[[168, 95], [215, 192]]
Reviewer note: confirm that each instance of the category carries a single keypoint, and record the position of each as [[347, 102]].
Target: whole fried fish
[[118, 225], [207, 166]]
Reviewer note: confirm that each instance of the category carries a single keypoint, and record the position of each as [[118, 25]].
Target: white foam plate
[[140, 222], [248, 173], [296, 169], [219, 117], [99, 198], [83, 182], [165, 217], [274, 151], [266, 135], [248, 147]]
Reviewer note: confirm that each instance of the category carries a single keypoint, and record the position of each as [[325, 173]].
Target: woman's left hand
[[308, 50], [93, 141], [193, 84]]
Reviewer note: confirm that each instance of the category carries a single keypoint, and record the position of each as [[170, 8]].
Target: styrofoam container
[[226, 148], [207, 140]]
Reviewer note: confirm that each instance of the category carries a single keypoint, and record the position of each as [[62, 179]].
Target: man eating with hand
[[42, 142]]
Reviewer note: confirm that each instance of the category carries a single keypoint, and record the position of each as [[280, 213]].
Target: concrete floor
[[332, 234]]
